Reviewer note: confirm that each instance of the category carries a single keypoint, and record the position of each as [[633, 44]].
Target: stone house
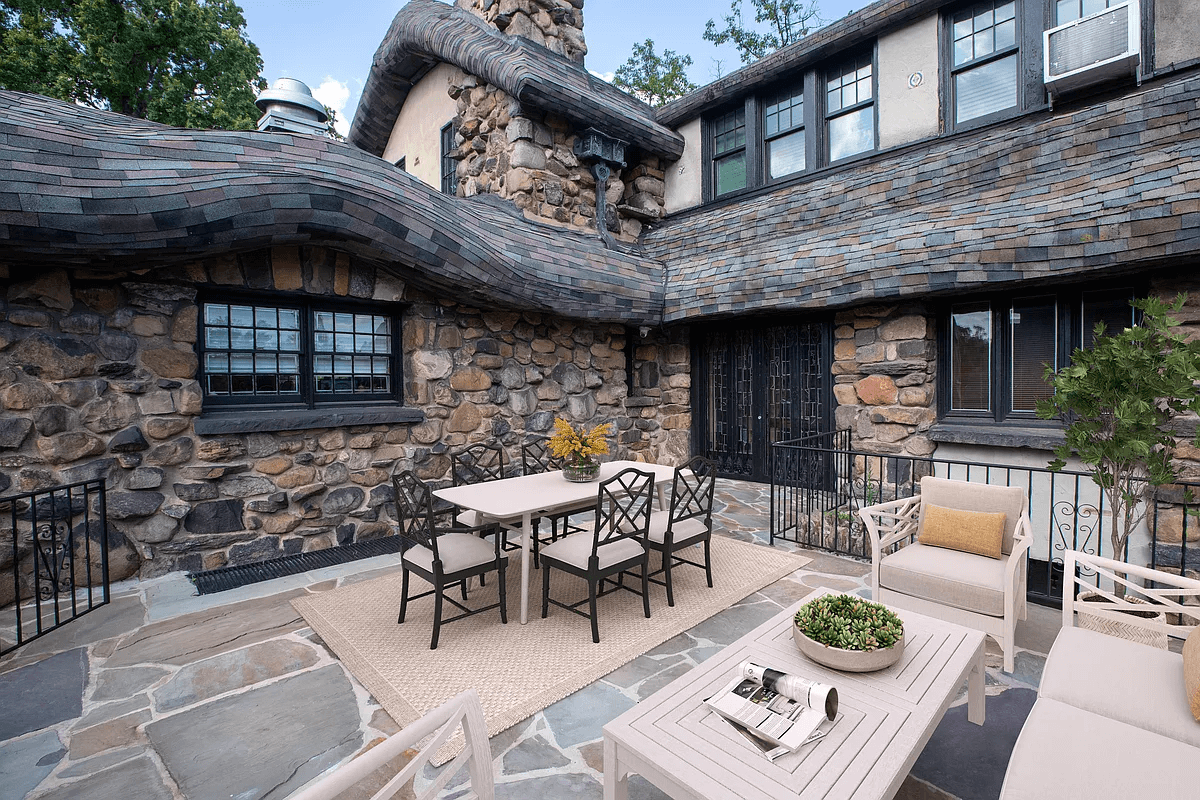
[[886, 227]]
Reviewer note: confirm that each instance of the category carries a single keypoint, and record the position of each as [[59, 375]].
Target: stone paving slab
[[43, 694], [25, 762], [138, 779]]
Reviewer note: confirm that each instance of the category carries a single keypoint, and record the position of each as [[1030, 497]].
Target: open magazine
[[773, 707]]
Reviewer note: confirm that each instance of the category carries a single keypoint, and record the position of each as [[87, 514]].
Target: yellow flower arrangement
[[575, 447]]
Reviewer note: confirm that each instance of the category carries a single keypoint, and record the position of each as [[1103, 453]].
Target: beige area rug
[[520, 669]]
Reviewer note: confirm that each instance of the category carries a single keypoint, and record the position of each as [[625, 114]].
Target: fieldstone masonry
[[556, 25], [99, 379]]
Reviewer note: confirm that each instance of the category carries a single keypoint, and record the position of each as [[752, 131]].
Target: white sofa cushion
[[1066, 753], [576, 549], [683, 531], [458, 551], [1122, 680], [950, 577]]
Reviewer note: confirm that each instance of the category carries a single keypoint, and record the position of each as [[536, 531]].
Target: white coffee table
[[884, 721], [515, 502]]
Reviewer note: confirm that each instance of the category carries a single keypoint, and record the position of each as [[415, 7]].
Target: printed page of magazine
[[785, 710]]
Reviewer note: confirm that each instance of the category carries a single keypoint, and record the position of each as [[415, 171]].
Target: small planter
[[582, 473], [1108, 620], [848, 660]]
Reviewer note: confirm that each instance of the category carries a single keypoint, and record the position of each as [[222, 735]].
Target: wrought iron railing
[[819, 482], [54, 544]]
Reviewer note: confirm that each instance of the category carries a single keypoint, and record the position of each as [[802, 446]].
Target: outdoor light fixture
[[604, 153]]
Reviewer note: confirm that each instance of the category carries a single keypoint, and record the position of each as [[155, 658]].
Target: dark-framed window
[[449, 165], [269, 350], [994, 350], [850, 108], [729, 166], [1070, 10], [985, 60], [783, 132]]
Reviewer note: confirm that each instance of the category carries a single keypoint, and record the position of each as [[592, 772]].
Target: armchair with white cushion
[[984, 592]]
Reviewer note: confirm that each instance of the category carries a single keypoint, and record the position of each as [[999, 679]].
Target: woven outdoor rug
[[520, 669]]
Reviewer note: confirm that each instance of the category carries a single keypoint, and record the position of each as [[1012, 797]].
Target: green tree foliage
[[654, 79], [181, 62], [1117, 400], [331, 125], [787, 21]]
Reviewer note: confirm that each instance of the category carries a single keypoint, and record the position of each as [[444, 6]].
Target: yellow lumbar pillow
[[1191, 671], [976, 532]]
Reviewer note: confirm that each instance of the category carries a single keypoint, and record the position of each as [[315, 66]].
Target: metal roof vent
[[289, 106]]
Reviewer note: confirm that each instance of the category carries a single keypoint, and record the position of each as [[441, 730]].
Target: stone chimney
[[289, 107], [555, 24]]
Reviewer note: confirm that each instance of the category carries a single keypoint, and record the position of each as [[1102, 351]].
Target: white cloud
[[335, 94], [607, 77]]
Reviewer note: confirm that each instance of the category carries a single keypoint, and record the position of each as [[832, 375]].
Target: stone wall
[[502, 149], [556, 25], [884, 370], [98, 378]]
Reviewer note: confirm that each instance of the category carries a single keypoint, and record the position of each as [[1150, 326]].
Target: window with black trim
[[985, 60], [995, 350], [297, 352], [729, 151], [850, 108], [449, 165], [783, 133]]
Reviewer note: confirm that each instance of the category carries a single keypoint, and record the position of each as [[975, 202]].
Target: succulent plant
[[849, 622]]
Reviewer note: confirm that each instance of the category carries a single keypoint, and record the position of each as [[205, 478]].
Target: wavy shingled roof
[[426, 32], [81, 187]]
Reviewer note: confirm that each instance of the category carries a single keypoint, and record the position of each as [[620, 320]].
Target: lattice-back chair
[[687, 522], [477, 463], [443, 555], [361, 774], [536, 458], [616, 544]]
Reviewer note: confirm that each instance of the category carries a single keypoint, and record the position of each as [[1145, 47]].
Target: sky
[[329, 45]]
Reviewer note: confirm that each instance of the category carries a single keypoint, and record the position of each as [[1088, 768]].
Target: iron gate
[[760, 384], [55, 545]]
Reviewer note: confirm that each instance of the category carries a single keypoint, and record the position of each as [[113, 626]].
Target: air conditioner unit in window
[[1093, 49]]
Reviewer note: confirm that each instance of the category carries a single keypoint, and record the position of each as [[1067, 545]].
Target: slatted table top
[[884, 720]]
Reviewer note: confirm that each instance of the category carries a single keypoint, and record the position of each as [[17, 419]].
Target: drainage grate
[[225, 578]]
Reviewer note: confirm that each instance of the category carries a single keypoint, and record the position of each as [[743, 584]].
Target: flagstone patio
[[165, 694]]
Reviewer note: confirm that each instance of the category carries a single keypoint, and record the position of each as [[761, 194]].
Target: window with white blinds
[[985, 59]]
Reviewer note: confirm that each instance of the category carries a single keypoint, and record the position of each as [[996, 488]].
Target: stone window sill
[[215, 423], [995, 435]]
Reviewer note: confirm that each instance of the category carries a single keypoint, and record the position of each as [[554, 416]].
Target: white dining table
[[514, 503]]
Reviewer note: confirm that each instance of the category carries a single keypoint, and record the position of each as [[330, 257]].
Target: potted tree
[[1117, 400]]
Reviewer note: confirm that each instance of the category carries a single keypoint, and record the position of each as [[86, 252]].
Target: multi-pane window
[[1069, 10], [783, 132], [849, 111], [729, 151], [449, 165], [998, 350], [294, 353], [985, 59]]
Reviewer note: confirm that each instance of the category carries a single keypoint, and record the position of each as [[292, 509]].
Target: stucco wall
[[1176, 32], [906, 57], [683, 177], [417, 133]]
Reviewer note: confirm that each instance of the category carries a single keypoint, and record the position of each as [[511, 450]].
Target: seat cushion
[[576, 549], [978, 532], [950, 577], [458, 551], [1066, 753], [683, 531], [1122, 680], [977, 497]]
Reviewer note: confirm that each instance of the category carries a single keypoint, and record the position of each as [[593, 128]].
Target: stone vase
[[847, 660]]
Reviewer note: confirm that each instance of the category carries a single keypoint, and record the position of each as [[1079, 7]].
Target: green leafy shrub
[[849, 622]]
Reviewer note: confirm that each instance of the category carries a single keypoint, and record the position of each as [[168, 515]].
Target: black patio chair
[[616, 544], [443, 555], [687, 522], [536, 458]]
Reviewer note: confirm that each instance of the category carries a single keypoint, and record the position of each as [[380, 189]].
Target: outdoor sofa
[[1113, 718]]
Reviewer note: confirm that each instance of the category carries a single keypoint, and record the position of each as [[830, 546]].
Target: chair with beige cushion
[[443, 555], [687, 522], [955, 552]]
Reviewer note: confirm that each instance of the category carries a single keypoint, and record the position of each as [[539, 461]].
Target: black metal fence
[[819, 482], [54, 549]]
